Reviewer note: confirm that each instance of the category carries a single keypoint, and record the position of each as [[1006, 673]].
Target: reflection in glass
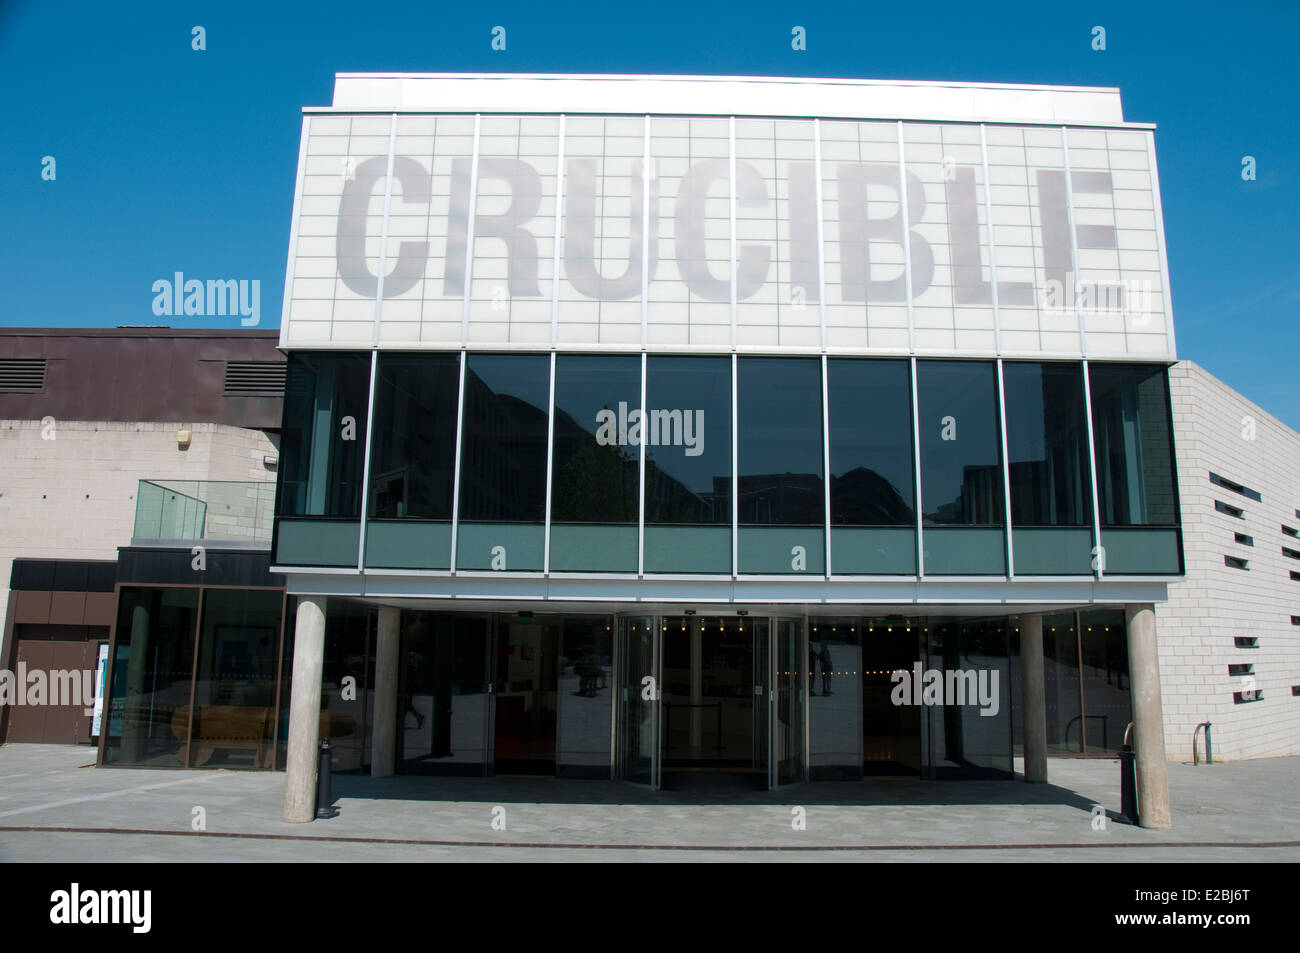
[[234, 694], [708, 694], [347, 708], [1047, 443], [503, 454], [960, 456], [871, 442], [793, 675], [525, 680], [835, 700], [891, 733], [688, 469], [638, 717], [971, 739], [779, 418], [596, 457], [414, 443], [1134, 445], [586, 686], [152, 670], [442, 701], [1061, 684], [323, 436], [1107, 695]]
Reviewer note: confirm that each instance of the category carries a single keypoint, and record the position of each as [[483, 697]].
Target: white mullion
[[365, 463], [993, 248], [455, 479], [732, 199], [821, 226], [826, 456], [550, 457], [640, 516], [646, 175], [471, 214], [1092, 473], [558, 243], [735, 469], [916, 481], [906, 239], [1006, 474], [1074, 245]]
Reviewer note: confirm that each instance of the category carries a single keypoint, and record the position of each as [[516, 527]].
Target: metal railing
[[1209, 746]]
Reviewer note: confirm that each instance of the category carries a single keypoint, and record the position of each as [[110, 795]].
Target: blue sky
[[174, 160]]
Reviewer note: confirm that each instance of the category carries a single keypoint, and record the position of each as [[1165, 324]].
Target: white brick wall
[[1216, 603], [73, 496]]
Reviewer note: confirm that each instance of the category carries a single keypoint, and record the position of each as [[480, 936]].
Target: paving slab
[[54, 803]]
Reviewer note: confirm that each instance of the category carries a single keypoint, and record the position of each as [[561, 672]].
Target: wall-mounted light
[[183, 437], [270, 461]]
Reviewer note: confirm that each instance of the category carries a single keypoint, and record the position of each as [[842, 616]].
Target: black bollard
[[324, 797], [1128, 785]]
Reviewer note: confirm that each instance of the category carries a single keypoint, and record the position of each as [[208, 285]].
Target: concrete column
[[304, 711], [383, 751], [1148, 718], [1033, 699]]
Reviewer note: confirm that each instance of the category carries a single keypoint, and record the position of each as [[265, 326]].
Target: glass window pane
[[323, 435], [779, 413], [414, 444], [1061, 684], [597, 433], [586, 688], [688, 452], [153, 663], [1047, 444], [503, 455], [234, 693], [1134, 446], [961, 476], [871, 443], [443, 694], [1107, 695], [347, 708], [971, 734]]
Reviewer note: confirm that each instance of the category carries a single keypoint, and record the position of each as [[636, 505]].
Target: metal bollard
[[1128, 801], [324, 796]]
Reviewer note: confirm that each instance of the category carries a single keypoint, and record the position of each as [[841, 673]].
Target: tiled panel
[[983, 206], [691, 284]]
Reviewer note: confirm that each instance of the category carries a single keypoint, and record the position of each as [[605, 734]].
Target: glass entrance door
[[524, 689], [761, 637], [636, 749], [792, 679], [443, 713]]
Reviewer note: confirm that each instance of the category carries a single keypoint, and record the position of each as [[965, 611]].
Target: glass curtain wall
[[961, 468], [1137, 485], [193, 678], [687, 428], [1047, 449], [322, 451], [688, 465], [873, 520], [503, 462], [412, 461], [596, 463], [782, 503]]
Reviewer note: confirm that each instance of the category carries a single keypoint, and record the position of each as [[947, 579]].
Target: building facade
[[137, 443], [682, 424], [1230, 654]]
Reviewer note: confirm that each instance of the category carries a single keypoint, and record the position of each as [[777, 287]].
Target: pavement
[[55, 804]]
